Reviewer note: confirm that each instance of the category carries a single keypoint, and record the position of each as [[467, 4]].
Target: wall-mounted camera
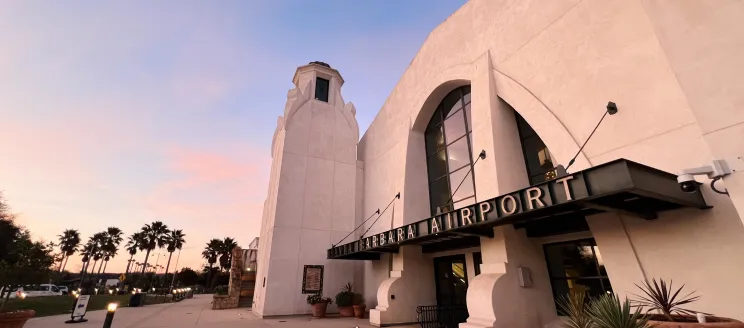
[[716, 171]]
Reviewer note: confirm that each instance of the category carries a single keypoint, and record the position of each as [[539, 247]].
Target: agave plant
[[575, 306], [608, 312], [664, 299]]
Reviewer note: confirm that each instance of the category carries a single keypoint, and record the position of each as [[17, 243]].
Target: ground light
[[111, 310]]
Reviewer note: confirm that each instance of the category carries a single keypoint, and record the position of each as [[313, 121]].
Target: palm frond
[[575, 305], [663, 298], [608, 312]]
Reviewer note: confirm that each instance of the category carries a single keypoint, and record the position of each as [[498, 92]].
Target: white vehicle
[[64, 290], [36, 291]]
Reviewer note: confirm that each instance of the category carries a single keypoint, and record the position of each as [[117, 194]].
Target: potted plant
[[663, 299], [345, 301], [608, 312], [359, 306], [319, 304], [575, 307]]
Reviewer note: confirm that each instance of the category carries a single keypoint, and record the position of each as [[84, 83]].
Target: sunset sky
[[120, 113]]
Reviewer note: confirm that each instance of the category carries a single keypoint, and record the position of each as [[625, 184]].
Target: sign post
[[81, 306]]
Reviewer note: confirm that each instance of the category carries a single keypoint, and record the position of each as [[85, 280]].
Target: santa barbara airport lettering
[[563, 190]]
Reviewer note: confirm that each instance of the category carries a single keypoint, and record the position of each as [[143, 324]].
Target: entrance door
[[451, 279]]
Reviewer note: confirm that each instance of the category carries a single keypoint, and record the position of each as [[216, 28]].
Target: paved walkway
[[195, 312]]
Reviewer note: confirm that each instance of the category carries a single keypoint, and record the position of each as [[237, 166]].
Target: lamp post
[[110, 311]]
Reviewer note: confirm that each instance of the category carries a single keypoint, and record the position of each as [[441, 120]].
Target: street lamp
[[111, 310]]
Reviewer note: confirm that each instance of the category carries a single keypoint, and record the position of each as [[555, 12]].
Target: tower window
[[321, 89]]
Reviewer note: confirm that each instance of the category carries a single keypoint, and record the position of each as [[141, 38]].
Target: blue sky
[[126, 112]]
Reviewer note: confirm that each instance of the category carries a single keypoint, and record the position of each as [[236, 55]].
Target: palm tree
[[210, 253], [111, 244], [87, 251], [175, 241], [153, 235], [226, 252], [94, 250], [69, 241], [133, 244]]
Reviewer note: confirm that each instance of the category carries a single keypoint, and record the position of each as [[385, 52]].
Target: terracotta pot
[[319, 309], [688, 321], [359, 310], [346, 311], [15, 319]]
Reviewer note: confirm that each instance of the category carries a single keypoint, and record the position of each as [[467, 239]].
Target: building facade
[[455, 195]]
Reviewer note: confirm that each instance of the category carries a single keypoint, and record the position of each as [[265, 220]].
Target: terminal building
[[531, 148]]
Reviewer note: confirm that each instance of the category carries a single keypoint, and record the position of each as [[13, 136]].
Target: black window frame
[[553, 278], [438, 120], [320, 87]]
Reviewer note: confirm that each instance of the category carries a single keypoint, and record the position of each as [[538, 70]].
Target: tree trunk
[[144, 266], [63, 266], [129, 263], [168, 266], [94, 267], [62, 261], [209, 276], [104, 267]]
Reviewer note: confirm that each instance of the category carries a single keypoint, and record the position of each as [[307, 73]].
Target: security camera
[[687, 183], [717, 170]]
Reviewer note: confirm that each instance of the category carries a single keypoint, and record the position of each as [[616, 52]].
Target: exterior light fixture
[[111, 291], [23, 295], [111, 310]]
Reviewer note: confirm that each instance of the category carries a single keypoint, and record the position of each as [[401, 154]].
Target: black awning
[[620, 186]]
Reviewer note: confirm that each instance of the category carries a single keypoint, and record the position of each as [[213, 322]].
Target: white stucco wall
[[558, 63]]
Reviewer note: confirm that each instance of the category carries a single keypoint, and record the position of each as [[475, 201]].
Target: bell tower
[[312, 193]]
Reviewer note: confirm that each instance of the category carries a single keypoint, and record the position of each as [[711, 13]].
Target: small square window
[[321, 89]]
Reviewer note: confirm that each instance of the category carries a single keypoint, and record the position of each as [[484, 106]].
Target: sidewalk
[[195, 312]]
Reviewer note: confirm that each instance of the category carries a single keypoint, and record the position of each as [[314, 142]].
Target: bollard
[[110, 315]]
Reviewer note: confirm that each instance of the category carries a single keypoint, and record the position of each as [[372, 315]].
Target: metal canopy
[[620, 186]]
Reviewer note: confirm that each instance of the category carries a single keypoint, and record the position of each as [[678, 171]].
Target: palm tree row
[[103, 246]]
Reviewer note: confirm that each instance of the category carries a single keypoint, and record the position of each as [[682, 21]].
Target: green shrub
[[346, 296], [318, 298], [575, 306]]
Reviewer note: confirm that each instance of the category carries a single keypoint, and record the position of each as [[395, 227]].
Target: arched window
[[449, 153]]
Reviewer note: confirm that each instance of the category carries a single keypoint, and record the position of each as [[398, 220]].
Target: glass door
[[451, 279]]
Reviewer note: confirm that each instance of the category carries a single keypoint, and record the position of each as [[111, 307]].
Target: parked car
[[64, 290], [13, 294]]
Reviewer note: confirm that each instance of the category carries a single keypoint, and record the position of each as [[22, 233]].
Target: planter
[[15, 319], [359, 310], [346, 311], [688, 321], [319, 309]]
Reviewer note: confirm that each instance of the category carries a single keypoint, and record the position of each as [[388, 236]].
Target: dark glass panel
[[571, 260], [477, 261], [434, 140], [451, 103], [537, 156], [437, 165], [525, 130], [465, 176], [438, 194], [466, 95], [458, 153], [436, 119], [454, 126], [321, 89], [469, 116]]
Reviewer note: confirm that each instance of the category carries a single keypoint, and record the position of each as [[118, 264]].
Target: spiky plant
[[663, 298], [575, 306], [608, 312]]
